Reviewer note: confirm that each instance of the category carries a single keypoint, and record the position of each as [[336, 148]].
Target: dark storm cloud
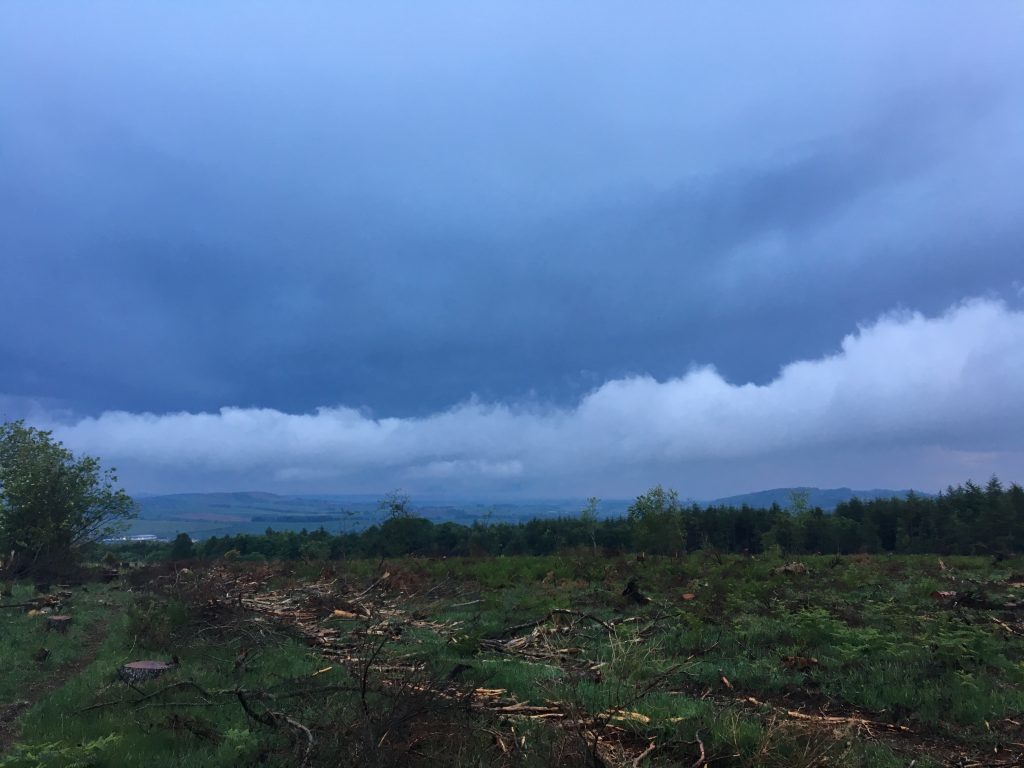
[[393, 210]]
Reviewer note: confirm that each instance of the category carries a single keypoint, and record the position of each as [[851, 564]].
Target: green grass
[[884, 649], [150, 735], [22, 635]]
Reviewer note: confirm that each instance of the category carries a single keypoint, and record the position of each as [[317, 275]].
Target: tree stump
[[633, 591], [58, 624], [138, 671]]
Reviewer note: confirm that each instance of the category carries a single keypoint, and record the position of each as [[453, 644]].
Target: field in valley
[[580, 659]]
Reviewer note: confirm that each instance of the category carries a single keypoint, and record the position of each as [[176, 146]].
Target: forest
[[965, 519]]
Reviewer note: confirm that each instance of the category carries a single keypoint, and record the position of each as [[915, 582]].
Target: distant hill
[[826, 498], [215, 514], [197, 506]]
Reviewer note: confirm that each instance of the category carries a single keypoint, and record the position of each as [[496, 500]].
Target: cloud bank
[[945, 393], [507, 198]]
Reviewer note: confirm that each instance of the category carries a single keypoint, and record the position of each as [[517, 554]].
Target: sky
[[516, 249]]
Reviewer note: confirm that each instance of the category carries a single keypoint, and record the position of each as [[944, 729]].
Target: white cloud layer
[[942, 389]]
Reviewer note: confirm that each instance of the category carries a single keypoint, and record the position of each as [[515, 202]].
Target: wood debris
[[795, 569]]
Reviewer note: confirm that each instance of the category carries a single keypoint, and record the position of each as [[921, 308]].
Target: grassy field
[[725, 661]]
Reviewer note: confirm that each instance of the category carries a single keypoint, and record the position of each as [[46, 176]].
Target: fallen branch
[[1006, 626], [275, 720], [144, 697], [860, 721], [369, 589], [553, 612]]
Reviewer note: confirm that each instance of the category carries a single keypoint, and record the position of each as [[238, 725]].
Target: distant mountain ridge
[[826, 498], [216, 514]]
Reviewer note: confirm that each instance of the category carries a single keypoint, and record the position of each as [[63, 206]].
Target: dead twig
[[702, 760], [640, 758], [173, 686], [364, 683], [701, 651]]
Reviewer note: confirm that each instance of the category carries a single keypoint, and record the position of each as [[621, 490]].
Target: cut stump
[[58, 624], [138, 671]]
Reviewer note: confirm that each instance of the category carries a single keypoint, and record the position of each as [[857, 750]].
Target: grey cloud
[[399, 208]]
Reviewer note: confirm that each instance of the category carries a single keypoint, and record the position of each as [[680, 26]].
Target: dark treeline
[[967, 519]]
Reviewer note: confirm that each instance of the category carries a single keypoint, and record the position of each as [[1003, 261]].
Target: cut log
[[138, 671], [58, 624]]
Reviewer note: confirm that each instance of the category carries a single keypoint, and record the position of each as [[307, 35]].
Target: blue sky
[[516, 248]]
